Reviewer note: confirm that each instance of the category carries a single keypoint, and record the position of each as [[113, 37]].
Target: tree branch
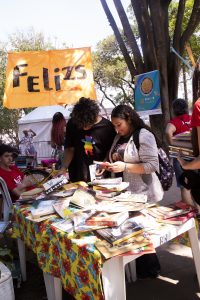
[[192, 23], [119, 39], [146, 33], [178, 25], [130, 36]]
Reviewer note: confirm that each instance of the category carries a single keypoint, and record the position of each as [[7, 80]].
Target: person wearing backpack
[[134, 152], [179, 124], [139, 166]]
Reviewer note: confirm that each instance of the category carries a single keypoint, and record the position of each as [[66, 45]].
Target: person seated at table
[[88, 137], [16, 182]]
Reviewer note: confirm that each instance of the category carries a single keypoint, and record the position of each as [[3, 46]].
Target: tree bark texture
[[154, 50]]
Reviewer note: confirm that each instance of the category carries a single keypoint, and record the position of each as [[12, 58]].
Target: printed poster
[[147, 93]]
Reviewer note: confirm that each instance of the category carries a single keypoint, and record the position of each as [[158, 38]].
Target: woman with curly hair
[[88, 137]]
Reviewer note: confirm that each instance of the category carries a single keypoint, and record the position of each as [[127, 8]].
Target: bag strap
[[136, 134]]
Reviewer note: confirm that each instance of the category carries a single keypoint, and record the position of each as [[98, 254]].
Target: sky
[[77, 23]]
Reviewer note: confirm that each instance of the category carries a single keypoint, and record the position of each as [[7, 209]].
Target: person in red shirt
[[195, 124], [16, 182], [180, 123]]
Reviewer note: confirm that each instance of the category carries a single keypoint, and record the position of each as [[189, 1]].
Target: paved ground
[[178, 280]]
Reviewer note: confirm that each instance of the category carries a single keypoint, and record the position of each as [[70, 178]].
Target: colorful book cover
[[116, 235], [103, 218]]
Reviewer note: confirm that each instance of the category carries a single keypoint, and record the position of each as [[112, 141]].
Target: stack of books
[[182, 145], [175, 214], [109, 185]]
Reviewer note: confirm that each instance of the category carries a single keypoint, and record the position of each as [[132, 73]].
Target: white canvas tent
[[40, 121]]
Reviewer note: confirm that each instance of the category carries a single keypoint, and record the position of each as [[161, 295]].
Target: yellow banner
[[38, 78]]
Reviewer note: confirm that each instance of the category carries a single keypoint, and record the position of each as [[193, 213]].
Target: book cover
[[54, 183], [122, 207], [116, 235], [107, 181], [61, 207], [134, 245], [179, 219], [43, 208], [64, 225], [83, 198], [173, 210], [129, 197], [103, 218], [112, 187]]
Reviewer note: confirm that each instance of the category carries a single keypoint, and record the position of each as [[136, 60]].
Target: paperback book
[[137, 244], [166, 212], [61, 207], [43, 208], [179, 219], [116, 235], [103, 218], [64, 225], [54, 183], [83, 198]]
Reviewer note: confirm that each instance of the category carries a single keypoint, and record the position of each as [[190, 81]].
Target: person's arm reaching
[[191, 165], [68, 156], [21, 187], [169, 132]]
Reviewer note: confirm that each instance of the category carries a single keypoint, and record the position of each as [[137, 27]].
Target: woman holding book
[[139, 166]]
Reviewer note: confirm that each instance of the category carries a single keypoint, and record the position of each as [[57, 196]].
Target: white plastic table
[[113, 271]]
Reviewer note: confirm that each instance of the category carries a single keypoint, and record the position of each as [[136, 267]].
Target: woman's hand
[[117, 167]]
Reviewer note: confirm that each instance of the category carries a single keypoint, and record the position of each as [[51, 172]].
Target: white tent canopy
[[40, 121]]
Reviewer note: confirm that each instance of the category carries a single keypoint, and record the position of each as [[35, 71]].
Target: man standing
[[89, 137]]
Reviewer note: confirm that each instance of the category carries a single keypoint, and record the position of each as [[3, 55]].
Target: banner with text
[[147, 93], [39, 78]]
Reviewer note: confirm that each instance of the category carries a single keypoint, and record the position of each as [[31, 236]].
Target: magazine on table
[[116, 235], [130, 197], [64, 225], [112, 187], [136, 244], [83, 198], [173, 210], [43, 208], [179, 220], [61, 207]]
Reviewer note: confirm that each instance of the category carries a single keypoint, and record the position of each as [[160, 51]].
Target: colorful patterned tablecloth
[[70, 256]]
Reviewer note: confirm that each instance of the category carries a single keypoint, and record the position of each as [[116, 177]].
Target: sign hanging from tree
[[147, 93], [39, 78]]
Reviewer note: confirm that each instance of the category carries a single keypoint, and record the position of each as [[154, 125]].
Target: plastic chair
[[7, 210], [7, 202]]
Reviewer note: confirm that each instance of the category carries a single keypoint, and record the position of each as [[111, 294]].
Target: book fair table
[[72, 260]]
